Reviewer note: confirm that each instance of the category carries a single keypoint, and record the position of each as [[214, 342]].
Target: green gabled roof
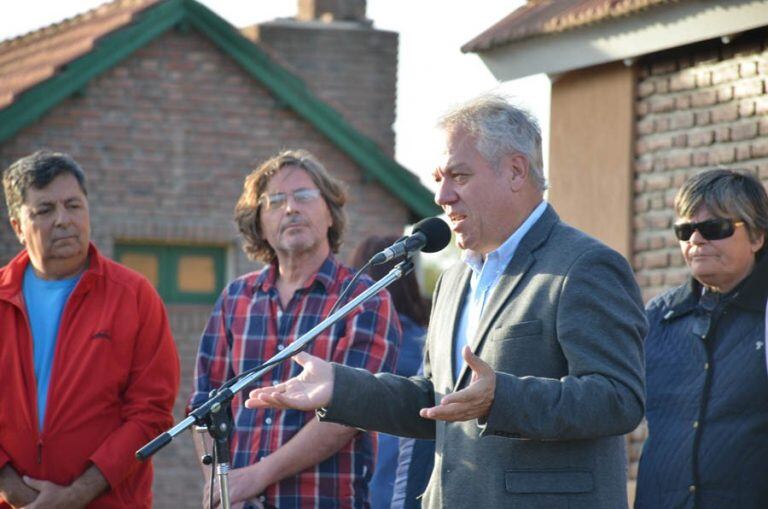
[[154, 21]]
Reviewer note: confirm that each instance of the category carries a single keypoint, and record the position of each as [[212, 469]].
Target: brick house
[[645, 93], [167, 107]]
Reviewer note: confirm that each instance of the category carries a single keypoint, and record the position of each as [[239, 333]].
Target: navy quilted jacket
[[707, 399]]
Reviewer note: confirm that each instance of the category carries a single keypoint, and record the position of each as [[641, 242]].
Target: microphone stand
[[219, 426], [214, 412]]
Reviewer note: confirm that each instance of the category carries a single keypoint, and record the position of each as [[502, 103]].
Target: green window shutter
[[181, 274]]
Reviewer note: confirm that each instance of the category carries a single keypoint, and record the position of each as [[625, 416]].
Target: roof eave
[[646, 32]]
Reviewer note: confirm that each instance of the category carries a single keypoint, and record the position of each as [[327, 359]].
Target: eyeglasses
[[276, 201], [711, 229]]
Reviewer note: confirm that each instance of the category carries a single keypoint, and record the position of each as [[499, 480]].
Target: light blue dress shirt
[[485, 277]]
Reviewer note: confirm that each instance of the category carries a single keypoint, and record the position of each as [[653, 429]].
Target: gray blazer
[[563, 330]]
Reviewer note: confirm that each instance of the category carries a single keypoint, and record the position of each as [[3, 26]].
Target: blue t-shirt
[[45, 300]]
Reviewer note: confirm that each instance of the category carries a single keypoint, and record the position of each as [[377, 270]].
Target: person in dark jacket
[[707, 396]]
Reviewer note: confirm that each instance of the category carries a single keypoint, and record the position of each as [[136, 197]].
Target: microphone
[[429, 235]]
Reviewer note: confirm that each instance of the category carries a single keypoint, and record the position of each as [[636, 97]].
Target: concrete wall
[[591, 152]]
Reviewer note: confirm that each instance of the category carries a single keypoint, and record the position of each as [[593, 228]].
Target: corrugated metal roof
[[541, 17], [30, 59]]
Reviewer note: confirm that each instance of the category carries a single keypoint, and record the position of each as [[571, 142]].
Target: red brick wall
[[697, 108], [178, 479], [166, 138]]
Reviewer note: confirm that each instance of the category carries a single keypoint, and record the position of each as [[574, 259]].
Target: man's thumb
[[474, 362]]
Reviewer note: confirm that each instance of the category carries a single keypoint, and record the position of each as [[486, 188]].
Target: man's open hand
[[310, 390]]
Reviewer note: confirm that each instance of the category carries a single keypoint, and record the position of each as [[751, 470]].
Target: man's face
[[721, 263], [300, 224], [475, 197], [54, 226]]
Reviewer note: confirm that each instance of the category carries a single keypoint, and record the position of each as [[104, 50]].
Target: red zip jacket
[[114, 379]]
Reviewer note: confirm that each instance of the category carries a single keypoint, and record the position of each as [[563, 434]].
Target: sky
[[433, 74]]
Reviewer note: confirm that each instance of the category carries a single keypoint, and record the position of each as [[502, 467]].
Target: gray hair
[[37, 170], [499, 128], [733, 194]]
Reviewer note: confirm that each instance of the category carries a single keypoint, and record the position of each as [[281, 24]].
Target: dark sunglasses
[[711, 229]]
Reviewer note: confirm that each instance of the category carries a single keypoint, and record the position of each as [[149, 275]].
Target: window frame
[[168, 258]]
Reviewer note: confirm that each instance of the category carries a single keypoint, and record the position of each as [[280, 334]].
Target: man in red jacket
[[88, 365]]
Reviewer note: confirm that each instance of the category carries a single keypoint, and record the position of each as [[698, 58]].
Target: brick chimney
[[343, 59]]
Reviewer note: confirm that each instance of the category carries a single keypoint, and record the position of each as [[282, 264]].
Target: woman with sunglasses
[[707, 386]]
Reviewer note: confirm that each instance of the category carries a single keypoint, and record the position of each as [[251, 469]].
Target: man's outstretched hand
[[310, 390], [473, 401]]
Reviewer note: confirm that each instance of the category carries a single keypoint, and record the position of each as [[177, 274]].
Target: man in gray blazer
[[534, 362]]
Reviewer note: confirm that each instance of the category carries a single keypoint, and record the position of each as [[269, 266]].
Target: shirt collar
[[504, 253], [325, 276]]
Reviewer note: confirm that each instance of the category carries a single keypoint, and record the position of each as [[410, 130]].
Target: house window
[[181, 274]]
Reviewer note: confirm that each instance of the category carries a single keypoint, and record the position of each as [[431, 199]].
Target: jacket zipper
[[36, 419]]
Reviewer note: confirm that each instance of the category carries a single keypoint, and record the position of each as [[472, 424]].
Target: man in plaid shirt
[[291, 217]]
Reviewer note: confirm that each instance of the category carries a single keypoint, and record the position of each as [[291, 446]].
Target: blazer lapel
[[513, 274]]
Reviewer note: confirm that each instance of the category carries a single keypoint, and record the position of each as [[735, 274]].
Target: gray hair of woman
[[727, 193], [499, 128], [248, 209]]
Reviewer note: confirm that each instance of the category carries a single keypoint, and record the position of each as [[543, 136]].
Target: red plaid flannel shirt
[[248, 326]]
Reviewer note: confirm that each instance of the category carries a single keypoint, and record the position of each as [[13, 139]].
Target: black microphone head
[[436, 231]]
